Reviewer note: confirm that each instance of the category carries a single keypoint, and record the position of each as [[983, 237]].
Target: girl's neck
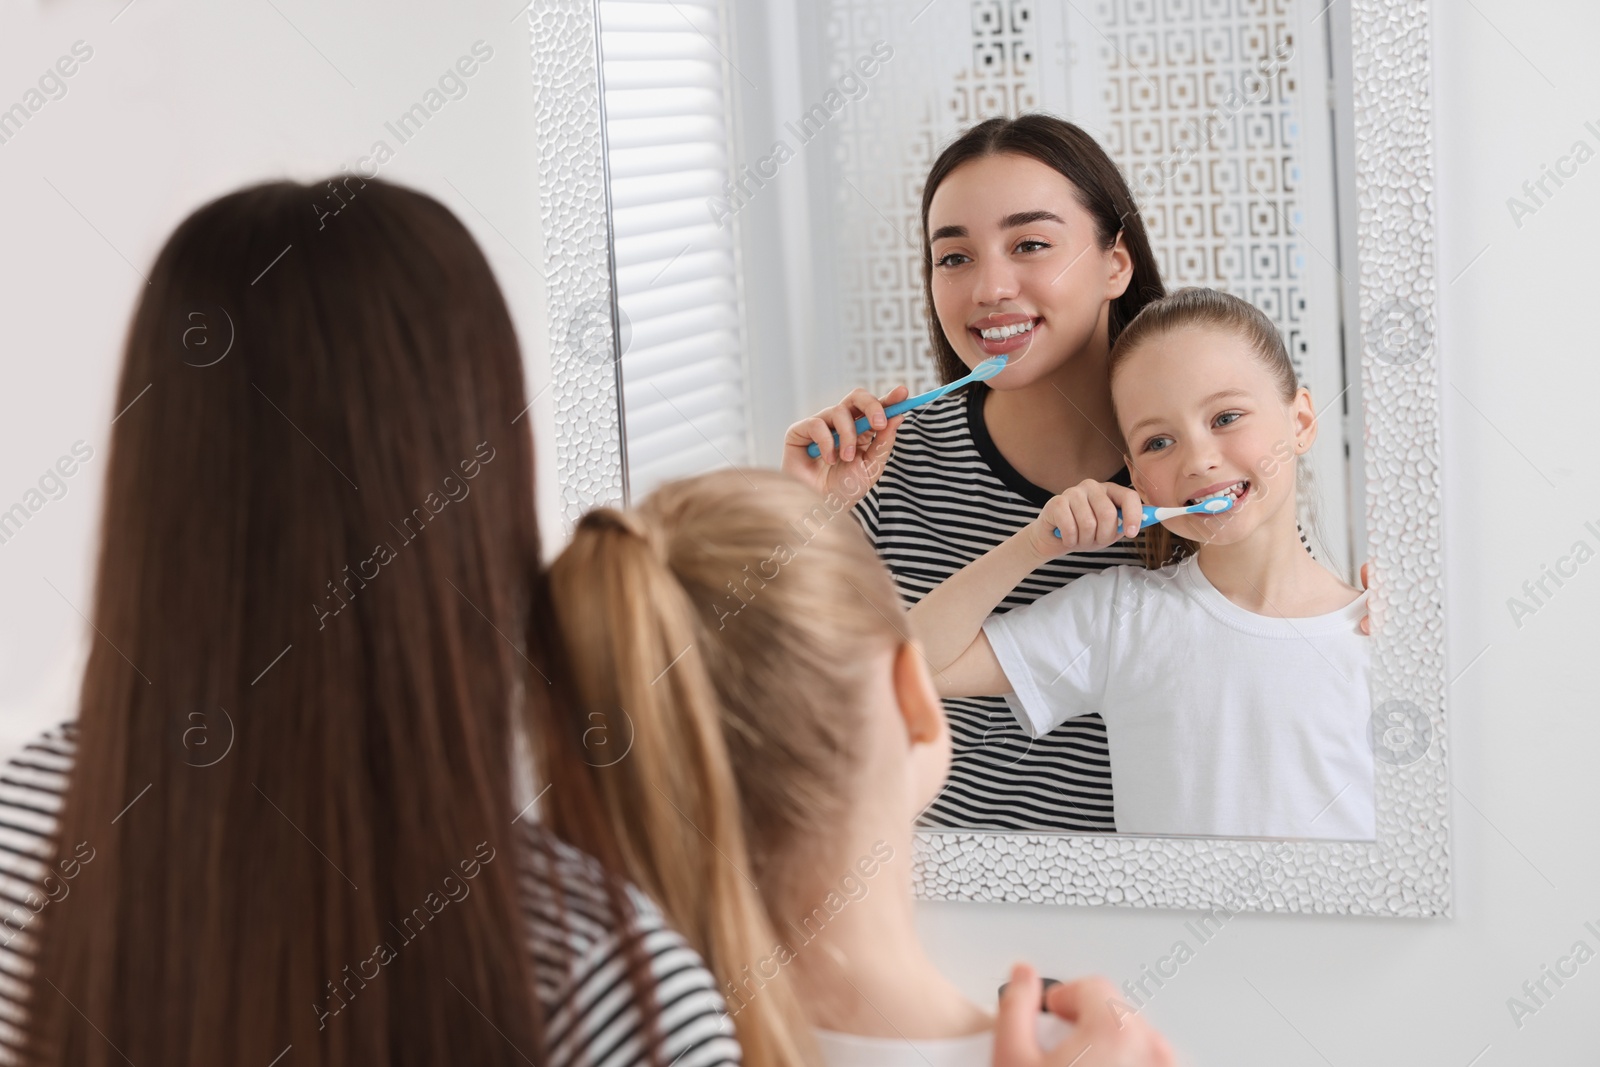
[[863, 970], [1059, 430], [1271, 573]]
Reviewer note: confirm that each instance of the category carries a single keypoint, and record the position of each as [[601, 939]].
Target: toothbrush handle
[[1151, 514], [864, 423]]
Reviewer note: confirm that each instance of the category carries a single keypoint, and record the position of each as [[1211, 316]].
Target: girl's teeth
[[1000, 333], [1233, 491]]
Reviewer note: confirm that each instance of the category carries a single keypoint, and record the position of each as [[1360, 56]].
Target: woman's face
[[1202, 415], [1014, 252]]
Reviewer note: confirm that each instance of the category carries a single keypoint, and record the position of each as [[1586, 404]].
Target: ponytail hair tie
[[626, 521]]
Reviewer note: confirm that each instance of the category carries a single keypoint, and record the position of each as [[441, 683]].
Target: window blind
[[668, 116]]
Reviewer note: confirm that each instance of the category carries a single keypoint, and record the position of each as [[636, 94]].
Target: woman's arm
[[845, 471]]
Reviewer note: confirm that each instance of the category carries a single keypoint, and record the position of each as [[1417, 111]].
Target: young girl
[[764, 734], [1026, 223], [1234, 681]]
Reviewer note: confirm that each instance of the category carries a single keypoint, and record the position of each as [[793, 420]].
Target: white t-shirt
[[974, 1050], [1220, 722]]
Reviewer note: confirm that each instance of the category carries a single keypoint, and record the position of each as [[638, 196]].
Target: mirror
[[760, 174]]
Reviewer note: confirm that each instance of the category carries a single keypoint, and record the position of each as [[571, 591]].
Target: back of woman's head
[[1100, 189], [317, 555], [722, 633]]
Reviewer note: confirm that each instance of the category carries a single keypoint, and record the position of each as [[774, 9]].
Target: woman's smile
[[1003, 334]]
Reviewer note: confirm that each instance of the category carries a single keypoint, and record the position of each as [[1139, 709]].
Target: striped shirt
[[947, 497], [580, 968]]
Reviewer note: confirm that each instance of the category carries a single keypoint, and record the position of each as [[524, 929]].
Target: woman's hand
[[849, 470], [1086, 514], [1106, 1032]]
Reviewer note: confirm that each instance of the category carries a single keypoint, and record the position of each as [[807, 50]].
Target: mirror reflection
[[821, 210]]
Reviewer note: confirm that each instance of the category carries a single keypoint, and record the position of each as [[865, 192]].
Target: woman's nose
[[996, 281]]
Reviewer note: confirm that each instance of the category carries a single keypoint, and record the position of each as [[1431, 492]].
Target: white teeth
[[1000, 333], [1232, 491]]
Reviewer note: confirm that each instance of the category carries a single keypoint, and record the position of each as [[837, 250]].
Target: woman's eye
[[949, 259], [1031, 245]]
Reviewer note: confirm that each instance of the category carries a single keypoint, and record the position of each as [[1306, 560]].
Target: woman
[[286, 818], [1030, 235]]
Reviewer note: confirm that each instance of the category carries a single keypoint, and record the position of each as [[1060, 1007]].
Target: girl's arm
[[949, 620]]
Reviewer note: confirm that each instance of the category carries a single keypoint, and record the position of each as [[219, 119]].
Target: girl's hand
[[1086, 514], [1366, 583], [849, 470], [1106, 1031]]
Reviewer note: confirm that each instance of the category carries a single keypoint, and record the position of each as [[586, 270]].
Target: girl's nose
[[1200, 458]]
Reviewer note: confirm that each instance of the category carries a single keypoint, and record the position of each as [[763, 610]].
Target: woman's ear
[[1121, 265], [927, 732]]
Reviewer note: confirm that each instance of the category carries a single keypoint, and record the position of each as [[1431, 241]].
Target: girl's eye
[[1031, 245], [1228, 417], [1152, 444], [947, 260]]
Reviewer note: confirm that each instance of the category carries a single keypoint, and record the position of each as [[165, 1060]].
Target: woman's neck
[[1059, 430], [862, 970]]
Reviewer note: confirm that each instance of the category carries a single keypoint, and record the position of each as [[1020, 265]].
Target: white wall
[[180, 103], [1521, 367]]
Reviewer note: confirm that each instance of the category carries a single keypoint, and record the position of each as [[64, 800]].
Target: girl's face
[[1202, 415], [1012, 248]]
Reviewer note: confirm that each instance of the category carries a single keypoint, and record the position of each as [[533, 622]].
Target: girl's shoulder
[[593, 905], [588, 927]]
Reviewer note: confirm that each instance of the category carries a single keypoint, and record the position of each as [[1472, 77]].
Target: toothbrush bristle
[[989, 368]]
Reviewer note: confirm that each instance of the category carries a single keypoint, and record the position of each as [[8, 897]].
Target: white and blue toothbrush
[[1153, 514], [983, 371]]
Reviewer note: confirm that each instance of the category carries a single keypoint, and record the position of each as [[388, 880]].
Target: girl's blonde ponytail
[[718, 636]]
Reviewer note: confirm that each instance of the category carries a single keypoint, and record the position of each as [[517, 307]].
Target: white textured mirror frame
[[1406, 872]]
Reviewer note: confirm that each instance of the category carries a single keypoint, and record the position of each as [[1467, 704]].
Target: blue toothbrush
[[983, 371], [1153, 514]]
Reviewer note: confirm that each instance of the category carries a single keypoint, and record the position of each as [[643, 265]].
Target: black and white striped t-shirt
[[947, 497], [580, 966]]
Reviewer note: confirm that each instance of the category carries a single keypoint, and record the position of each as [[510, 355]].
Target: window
[[668, 121]]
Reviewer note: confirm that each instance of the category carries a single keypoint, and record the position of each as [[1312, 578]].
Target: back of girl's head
[[1196, 307], [724, 629], [1100, 188], [317, 556]]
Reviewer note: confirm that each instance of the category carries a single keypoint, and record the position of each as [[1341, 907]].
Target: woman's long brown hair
[[318, 549]]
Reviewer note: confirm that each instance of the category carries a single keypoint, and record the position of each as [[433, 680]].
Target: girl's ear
[[1304, 417], [1121, 264], [927, 732]]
